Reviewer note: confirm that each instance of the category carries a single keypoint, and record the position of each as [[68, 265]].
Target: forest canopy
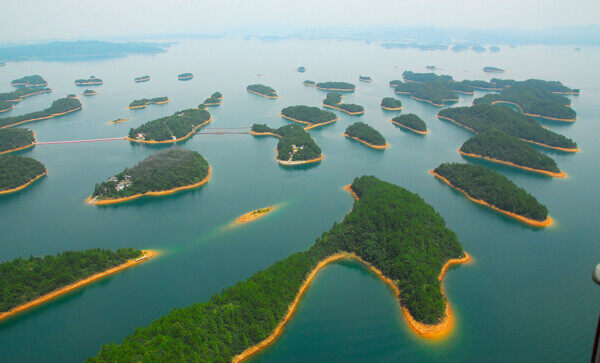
[[16, 171], [411, 121], [177, 126], [11, 139], [366, 133], [57, 108], [308, 114], [262, 89]]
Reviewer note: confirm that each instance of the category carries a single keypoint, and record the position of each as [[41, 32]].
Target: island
[[364, 78], [144, 102], [482, 117], [214, 99], [185, 76], [22, 92], [301, 69], [391, 104], [170, 129], [310, 116], [492, 189], [118, 121], [392, 231], [411, 122], [165, 172], [58, 108], [92, 81], [254, 215], [431, 68], [336, 86], [498, 147], [262, 90], [334, 100], [309, 83], [142, 79], [30, 81], [295, 146], [28, 282], [493, 69], [435, 93], [18, 172], [367, 135], [16, 139], [89, 92]]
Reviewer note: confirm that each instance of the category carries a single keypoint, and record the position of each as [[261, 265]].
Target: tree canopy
[[262, 89], [57, 108], [311, 115], [176, 126], [366, 133], [295, 144], [411, 121], [11, 139], [16, 171]]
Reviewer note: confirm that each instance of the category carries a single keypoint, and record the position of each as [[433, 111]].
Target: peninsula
[[391, 104], [403, 240], [295, 146], [30, 81], [493, 69], [142, 79], [20, 93], [18, 172], [144, 102], [334, 100], [367, 135], [163, 173], [170, 129], [92, 81], [185, 76], [16, 139], [411, 122], [262, 90], [58, 108], [310, 116], [214, 99], [89, 92], [309, 83], [336, 86], [492, 189]]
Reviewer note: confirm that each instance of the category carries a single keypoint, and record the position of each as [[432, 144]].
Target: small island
[[170, 129], [493, 69], [142, 79], [492, 189], [459, 47], [336, 86], [391, 104], [334, 100], [89, 92], [214, 99], [310, 116], [28, 282], [431, 68], [411, 122], [92, 81], [58, 108], [254, 215], [262, 90], [555, 87], [365, 78], [118, 121], [295, 147], [482, 117], [367, 135], [301, 69], [163, 173], [144, 102], [16, 139], [185, 76], [309, 83], [18, 172], [30, 81]]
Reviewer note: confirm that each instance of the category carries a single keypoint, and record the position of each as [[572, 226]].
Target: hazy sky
[[42, 19]]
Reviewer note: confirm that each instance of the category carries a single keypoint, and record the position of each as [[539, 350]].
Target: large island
[[334, 100], [336, 86], [15, 139], [58, 108], [295, 146], [18, 172], [262, 90], [177, 127], [144, 102], [310, 116], [163, 173], [367, 135]]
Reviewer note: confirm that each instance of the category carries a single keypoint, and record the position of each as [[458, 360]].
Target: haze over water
[[527, 296]]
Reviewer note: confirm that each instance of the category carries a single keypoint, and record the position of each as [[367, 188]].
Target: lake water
[[527, 296]]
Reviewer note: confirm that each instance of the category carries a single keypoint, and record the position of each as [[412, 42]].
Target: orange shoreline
[[170, 141], [348, 112], [391, 108], [309, 84], [532, 222], [254, 215], [7, 109], [8, 191], [411, 129], [42, 118], [378, 147], [260, 94], [310, 125], [254, 133], [20, 148], [335, 89], [148, 103], [60, 291], [540, 171], [536, 115], [298, 162], [95, 201]]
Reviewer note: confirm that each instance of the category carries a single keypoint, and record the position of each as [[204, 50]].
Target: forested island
[[409, 76], [92, 81], [436, 93], [142, 79], [262, 90], [144, 102], [391, 230], [492, 189], [214, 99], [165, 172], [118, 121], [309, 83], [30, 81], [334, 100], [295, 146], [499, 147], [301, 69], [89, 92], [482, 117], [493, 69], [364, 78], [411, 122], [310, 116], [60, 107], [367, 135], [15, 139], [22, 92], [336, 86], [555, 87], [391, 104], [185, 76], [174, 128], [17, 172], [28, 282]]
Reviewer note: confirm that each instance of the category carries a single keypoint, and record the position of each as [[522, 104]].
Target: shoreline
[[42, 118], [8, 191], [411, 129], [391, 108], [254, 133], [173, 140], [570, 120], [148, 104], [377, 147], [335, 89], [95, 201], [253, 215], [299, 162], [118, 121], [539, 171], [348, 112], [7, 109], [435, 104], [309, 84], [62, 290], [260, 94], [309, 125], [532, 222]]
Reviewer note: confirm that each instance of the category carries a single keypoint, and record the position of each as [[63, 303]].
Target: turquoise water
[[528, 295]]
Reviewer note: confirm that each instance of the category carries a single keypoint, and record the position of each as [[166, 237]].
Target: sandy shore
[[254, 133], [539, 171], [8, 191], [299, 162], [378, 147], [170, 141], [335, 89], [341, 109], [254, 215], [391, 108], [309, 125], [411, 129], [148, 253], [260, 94]]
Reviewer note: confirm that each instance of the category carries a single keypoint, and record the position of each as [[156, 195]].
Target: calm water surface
[[527, 296]]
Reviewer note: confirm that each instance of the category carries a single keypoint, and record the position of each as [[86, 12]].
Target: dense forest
[[437, 92], [334, 100], [295, 144], [262, 89], [391, 103], [336, 86], [176, 126], [22, 92], [16, 171], [483, 85], [498, 145], [484, 117], [550, 86], [214, 99], [92, 81], [494, 188], [448, 81], [411, 121], [11, 139], [57, 108], [389, 227], [30, 81], [366, 133], [165, 170], [26, 279], [146, 101], [311, 115]]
